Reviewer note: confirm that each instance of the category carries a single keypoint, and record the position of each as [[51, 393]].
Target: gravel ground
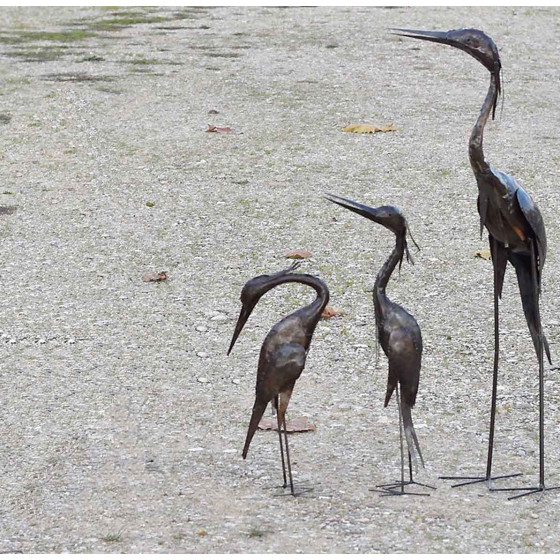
[[122, 418]]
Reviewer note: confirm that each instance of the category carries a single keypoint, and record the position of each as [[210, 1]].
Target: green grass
[[117, 23], [39, 54], [67, 36], [256, 533], [112, 538]]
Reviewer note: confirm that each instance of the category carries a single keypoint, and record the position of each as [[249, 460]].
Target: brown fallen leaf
[[369, 128], [329, 312], [298, 254], [300, 424], [212, 128], [483, 254], [154, 276]]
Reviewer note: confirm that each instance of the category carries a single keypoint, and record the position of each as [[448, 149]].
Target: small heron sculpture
[[399, 336], [283, 352]]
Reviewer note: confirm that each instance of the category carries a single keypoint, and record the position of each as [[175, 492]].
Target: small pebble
[[41, 341], [71, 341], [203, 380], [236, 381], [219, 318], [201, 328], [202, 354], [12, 340]]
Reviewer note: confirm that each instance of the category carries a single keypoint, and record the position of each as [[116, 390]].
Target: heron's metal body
[[397, 330], [513, 221], [284, 350]]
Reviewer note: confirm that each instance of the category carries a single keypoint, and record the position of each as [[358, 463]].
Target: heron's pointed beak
[[361, 209], [243, 316], [434, 36]]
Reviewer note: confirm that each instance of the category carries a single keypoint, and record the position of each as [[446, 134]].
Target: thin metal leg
[[288, 456], [391, 488], [281, 445], [540, 355], [489, 478]]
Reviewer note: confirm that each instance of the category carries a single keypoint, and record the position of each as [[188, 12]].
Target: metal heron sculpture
[[515, 227], [283, 352], [398, 333]]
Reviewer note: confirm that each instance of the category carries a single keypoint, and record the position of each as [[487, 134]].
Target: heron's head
[[388, 216], [251, 293], [473, 41]]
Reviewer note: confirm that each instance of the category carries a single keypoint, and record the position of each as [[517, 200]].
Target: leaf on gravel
[[212, 128], [154, 276], [369, 128], [329, 312], [300, 424], [298, 254], [483, 254]]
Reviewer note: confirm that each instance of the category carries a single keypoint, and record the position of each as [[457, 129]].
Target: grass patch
[[112, 538], [40, 54], [117, 23], [67, 36], [222, 55], [92, 58], [109, 89], [76, 77], [5, 118], [256, 533]]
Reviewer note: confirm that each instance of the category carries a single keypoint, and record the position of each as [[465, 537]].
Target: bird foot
[[477, 479], [528, 490]]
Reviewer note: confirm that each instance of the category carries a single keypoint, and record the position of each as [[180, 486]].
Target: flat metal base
[[397, 488], [528, 490], [477, 479], [298, 491]]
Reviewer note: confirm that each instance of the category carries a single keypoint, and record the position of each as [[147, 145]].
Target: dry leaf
[[300, 424], [298, 254], [154, 276], [212, 128], [369, 128], [329, 312], [483, 254]]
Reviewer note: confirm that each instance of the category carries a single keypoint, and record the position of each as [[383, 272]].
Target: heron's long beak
[[243, 316], [361, 209], [434, 36]]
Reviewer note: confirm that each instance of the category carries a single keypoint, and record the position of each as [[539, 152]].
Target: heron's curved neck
[[384, 274], [316, 307], [476, 155]]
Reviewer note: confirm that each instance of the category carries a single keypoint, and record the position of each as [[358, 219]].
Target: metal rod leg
[[288, 457], [281, 445]]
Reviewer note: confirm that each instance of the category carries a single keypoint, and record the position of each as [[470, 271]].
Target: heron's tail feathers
[[410, 435], [258, 410]]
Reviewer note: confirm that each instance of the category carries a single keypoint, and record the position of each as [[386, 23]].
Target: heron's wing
[[499, 255], [534, 217], [279, 370], [405, 358]]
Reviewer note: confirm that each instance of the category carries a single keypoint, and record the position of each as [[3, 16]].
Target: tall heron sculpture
[[516, 232], [398, 333], [283, 352]]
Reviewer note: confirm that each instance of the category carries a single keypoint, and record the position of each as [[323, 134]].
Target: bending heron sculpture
[[398, 333], [283, 352], [515, 227]]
